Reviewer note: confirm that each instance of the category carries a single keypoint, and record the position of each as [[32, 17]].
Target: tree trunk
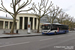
[[13, 25], [38, 24]]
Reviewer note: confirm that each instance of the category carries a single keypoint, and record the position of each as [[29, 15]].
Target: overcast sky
[[68, 6]]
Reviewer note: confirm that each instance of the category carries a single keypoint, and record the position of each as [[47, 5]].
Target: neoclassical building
[[21, 21]]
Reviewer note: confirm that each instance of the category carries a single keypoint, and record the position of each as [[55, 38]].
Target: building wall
[[26, 15], [6, 23], [44, 20], [25, 18], [20, 23], [1, 24]]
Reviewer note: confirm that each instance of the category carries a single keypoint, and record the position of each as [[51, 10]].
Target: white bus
[[54, 28]]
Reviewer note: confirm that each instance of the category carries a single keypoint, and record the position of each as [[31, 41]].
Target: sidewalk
[[22, 33]]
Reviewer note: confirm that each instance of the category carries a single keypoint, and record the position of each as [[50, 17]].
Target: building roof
[[9, 18], [2, 17]]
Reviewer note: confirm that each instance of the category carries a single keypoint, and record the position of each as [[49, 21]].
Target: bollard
[[17, 31]]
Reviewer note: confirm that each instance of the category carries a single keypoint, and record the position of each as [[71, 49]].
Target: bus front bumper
[[47, 33]]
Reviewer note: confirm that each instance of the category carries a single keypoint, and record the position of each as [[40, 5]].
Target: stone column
[[28, 19], [18, 24], [3, 24], [8, 24], [33, 23], [23, 23]]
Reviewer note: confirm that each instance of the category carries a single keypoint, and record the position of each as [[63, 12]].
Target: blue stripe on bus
[[61, 31]]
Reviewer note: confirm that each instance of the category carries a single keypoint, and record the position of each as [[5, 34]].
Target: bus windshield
[[45, 27]]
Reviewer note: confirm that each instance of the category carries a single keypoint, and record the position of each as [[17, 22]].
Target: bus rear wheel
[[65, 32]]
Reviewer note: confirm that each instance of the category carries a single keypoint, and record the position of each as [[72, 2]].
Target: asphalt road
[[46, 42]]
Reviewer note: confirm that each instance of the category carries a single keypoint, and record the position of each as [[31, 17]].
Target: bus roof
[[53, 23]]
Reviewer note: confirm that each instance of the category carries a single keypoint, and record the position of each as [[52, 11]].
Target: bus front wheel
[[55, 33]]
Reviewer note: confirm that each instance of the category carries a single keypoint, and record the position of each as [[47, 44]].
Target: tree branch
[[24, 4], [18, 1], [4, 9], [25, 10]]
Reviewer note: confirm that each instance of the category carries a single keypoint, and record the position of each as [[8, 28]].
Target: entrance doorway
[[26, 22]]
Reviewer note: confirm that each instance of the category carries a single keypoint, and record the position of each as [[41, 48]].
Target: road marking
[[46, 39], [14, 44], [57, 43]]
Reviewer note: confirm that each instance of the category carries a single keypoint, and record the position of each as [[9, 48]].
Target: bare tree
[[42, 9], [54, 13], [71, 24], [15, 10], [66, 19], [61, 17]]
